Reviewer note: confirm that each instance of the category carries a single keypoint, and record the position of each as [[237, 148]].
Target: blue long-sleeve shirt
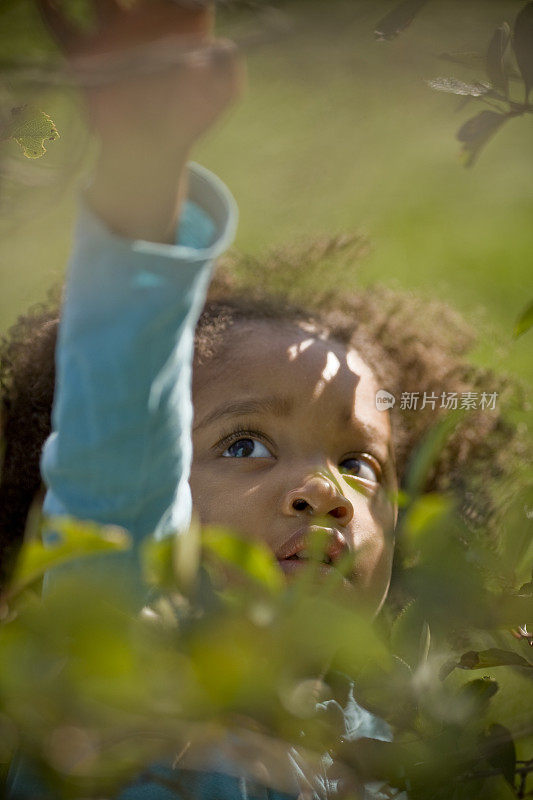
[[120, 450]]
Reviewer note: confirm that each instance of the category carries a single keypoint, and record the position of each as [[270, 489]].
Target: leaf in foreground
[[455, 86], [500, 751], [429, 451], [525, 321], [496, 57], [494, 657], [30, 128], [75, 539], [252, 559], [469, 58], [398, 19], [523, 45], [477, 131]]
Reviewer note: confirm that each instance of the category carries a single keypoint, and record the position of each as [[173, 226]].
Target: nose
[[318, 496]]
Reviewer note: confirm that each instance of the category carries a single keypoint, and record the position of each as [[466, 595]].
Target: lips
[[292, 554]]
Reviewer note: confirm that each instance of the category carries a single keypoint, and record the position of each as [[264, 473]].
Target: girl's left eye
[[360, 467], [247, 448]]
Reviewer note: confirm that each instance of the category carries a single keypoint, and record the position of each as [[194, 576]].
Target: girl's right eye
[[247, 448]]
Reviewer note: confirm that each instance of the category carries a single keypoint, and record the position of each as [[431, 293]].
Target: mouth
[[293, 566], [294, 556]]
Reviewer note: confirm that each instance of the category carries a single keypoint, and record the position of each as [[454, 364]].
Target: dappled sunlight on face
[[295, 349], [288, 441], [328, 373]]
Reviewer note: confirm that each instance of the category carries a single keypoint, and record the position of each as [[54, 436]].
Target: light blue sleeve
[[120, 449]]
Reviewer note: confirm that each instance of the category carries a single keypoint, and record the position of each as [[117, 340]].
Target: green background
[[336, 133]]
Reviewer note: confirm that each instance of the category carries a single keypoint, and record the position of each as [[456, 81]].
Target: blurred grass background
[[337, 133]]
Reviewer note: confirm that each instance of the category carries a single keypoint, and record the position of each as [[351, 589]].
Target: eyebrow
[[275, 405], [279, 406], [368, 430]]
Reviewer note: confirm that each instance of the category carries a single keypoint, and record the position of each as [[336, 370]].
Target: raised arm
[[148, 233]]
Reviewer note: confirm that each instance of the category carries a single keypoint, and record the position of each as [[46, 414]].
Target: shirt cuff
[[206, 228]]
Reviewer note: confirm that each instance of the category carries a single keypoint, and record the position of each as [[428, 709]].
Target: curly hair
[[27, 373], [414, 344], [395, 331]]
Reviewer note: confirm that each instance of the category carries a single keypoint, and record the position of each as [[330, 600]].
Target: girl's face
[[288, 441]]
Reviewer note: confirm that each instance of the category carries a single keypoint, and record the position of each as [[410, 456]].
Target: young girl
[[288, 437]]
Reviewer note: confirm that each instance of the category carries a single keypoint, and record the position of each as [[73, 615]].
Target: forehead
[[293, 365]]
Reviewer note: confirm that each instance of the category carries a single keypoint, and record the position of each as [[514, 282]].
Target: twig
[[146, 59], [491, 773]]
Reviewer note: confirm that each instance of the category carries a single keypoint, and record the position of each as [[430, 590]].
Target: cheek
[[383, 507], [372, 572], [225, 497], [373, 542], [209, 495]]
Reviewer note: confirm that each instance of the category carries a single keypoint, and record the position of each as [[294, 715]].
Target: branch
[[145, 59]]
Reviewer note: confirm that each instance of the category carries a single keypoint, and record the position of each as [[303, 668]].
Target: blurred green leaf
[[30, 128], [398, 19], [476, 695], [477, 132], [410, 637], [172, 563], [523, 45], [252, 559], [78, 13], [468, 59], [347, 636], [496, 788], [429, 450], [387, 761], [494, 657], [525, 321], [455, 86], [499, 749], [496, 53], [424, 644], [186, 557], [75, 539], [511, 610], [158, 562], [423, 514]]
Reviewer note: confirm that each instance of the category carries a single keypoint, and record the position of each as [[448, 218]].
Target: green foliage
[[497, 68], [523, 46], [73, 540], [96, 692], [231, 655], [492, 658], [525, 321], [30, 128], [252, 560], [476, 132], [398, 19]]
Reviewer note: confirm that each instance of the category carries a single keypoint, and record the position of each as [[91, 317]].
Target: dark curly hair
[[412, 343], [27, 373]]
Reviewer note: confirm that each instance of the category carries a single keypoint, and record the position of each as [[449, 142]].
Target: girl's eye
[[247, 448], [360, 467]]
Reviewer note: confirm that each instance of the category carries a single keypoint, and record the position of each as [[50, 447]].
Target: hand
[[155, 80]]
